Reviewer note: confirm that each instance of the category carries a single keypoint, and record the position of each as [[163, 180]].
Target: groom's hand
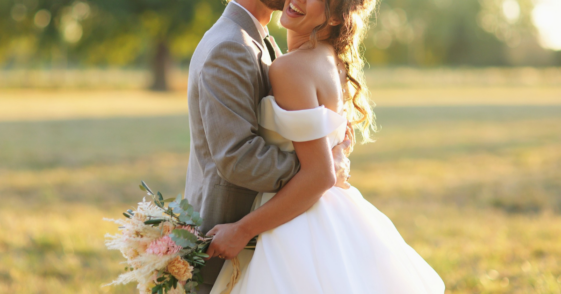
[[342, 164], [229, 240]]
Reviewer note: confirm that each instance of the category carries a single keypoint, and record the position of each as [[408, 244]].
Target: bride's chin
[[284, 22], [288, 23]]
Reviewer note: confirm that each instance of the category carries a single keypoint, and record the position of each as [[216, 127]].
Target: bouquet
[[163, 249]]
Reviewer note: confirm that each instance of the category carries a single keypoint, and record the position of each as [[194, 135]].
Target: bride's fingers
[[212, 231], [210, 252]]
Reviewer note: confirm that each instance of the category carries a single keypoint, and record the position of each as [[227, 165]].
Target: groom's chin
[[274, 4]]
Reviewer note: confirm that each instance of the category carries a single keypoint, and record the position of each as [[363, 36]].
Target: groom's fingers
[[346, 144], [346, 148], [349, 135]]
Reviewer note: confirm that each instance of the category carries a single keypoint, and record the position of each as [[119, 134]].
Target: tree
[[446, 32], [105, 32], [163, 28]]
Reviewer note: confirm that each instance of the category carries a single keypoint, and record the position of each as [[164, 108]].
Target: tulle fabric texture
[[343, 244]]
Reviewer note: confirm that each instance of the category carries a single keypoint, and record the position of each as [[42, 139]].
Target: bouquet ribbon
[[235, 277]]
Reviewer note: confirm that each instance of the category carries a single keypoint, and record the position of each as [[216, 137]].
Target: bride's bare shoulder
[[291, 77], [293, 62]]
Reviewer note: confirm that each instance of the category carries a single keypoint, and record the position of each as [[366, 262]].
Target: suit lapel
[[240, 17]]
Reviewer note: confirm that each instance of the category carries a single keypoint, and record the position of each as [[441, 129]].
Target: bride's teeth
[[295, 8]]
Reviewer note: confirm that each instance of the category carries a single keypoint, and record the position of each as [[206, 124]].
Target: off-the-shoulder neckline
[[302, 110]]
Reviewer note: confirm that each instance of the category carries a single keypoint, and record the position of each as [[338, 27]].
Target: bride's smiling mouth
[[294, 11]]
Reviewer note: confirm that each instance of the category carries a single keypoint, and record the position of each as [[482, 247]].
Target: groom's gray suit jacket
[[229, 162]]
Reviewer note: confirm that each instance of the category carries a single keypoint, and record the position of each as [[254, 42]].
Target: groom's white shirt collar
[[263, 30]]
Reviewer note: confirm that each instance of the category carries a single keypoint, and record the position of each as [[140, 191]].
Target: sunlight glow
[[546, 18], [511, 10]]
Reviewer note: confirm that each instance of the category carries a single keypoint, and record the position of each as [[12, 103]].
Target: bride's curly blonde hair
[[346, 38]]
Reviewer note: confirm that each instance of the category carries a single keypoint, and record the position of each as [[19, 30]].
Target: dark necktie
[[270, 48]]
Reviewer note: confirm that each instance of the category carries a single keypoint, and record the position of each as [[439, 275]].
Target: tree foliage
[[61, 33], [103, 32], [446, 32]]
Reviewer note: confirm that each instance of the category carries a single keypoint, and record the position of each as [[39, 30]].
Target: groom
[[229, 162]]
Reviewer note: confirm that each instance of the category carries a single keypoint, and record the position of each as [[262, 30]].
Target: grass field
[[470, 176]]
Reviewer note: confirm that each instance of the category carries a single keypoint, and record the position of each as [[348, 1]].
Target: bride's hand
[[229, 240]]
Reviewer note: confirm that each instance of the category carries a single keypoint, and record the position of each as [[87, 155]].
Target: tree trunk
[[160, 67]]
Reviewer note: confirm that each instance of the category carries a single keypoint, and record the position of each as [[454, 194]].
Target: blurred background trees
[[468, 104], [446, 32], [155, 34], [138, 33]]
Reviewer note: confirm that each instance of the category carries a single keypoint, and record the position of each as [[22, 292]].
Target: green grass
[[475, 189]]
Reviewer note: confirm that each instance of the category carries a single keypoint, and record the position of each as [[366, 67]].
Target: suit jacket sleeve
[[227, 106]]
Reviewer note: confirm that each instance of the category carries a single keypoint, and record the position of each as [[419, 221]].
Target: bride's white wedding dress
[[343, 244]]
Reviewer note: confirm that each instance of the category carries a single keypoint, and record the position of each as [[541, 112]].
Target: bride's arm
[[293, 91]]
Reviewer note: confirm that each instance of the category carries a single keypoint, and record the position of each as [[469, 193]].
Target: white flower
[[149, 209]]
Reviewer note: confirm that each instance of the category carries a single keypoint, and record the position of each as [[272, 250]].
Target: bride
[[333, 241]]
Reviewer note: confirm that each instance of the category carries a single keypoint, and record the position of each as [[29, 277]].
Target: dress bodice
[[282, 127]]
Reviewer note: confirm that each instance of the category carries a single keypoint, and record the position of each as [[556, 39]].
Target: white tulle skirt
[[343, 244]]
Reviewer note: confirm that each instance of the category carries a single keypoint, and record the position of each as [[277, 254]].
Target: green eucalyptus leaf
[[184, 204], [178, 198], [184, 238], [186, 219], [196, 218], [180, 241], [189, 285], [190, 210], [126, 215], [147, 188], [156, 288], [160, 196], [203, 255], [174, 204], [155, 221]]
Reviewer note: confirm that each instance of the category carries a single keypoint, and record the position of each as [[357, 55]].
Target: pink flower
[[163, 246]]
